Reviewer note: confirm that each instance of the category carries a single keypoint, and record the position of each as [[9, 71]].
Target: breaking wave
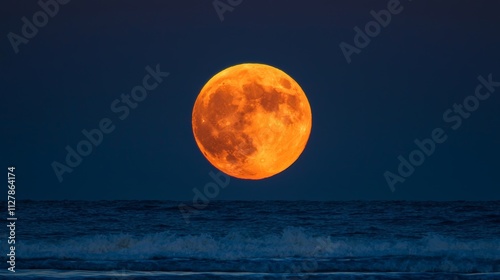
[[167, 251]]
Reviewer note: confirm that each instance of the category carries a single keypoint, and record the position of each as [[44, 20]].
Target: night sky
[[366, 113]]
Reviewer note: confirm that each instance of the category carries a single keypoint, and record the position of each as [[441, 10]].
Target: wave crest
[[292, 242]]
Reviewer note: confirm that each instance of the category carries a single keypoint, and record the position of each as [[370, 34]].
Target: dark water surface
[[257, 240]]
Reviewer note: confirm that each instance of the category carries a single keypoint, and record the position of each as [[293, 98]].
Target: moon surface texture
[[251, 121]]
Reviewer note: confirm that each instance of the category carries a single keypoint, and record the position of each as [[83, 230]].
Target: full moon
[[251, 121]]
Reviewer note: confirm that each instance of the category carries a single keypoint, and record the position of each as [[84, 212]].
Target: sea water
[[256, 240]]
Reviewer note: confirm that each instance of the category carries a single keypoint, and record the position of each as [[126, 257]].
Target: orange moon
[[251, 121]]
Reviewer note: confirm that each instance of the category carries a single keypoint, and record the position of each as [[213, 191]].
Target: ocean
[[256, 240]]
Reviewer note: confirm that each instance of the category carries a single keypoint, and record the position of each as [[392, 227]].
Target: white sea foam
[[292, 242]]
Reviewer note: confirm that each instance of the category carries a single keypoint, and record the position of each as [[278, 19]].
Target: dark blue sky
[[365, 113]]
